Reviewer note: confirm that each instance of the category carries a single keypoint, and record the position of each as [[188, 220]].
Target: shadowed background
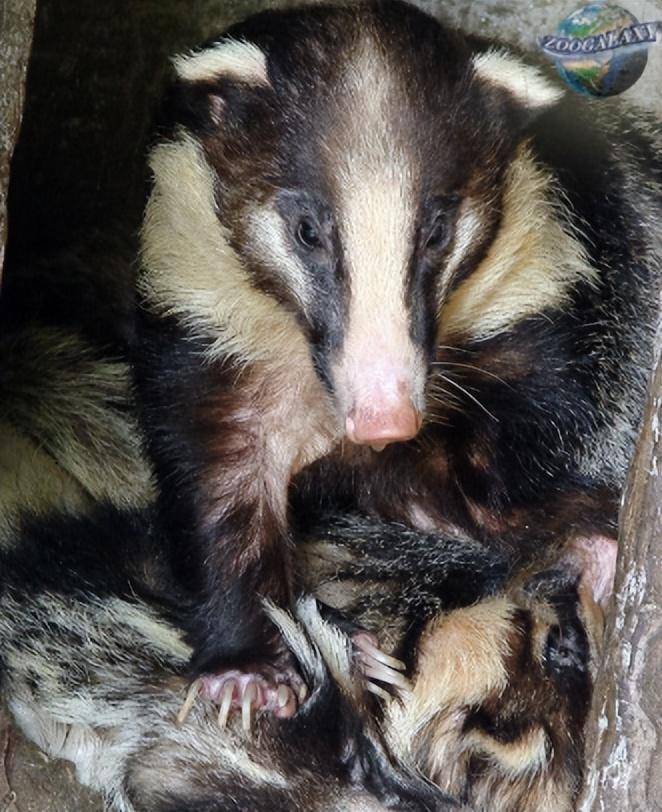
[[96, 73], [94, 79]]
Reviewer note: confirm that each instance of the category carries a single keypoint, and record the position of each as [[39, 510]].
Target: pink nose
[[369, 425]]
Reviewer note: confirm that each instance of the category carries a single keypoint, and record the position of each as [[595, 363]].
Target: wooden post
[[16, 27], [624, 751]]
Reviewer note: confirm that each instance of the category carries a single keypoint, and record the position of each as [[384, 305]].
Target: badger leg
[[224, 461]]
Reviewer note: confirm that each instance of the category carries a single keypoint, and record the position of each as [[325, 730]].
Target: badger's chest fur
[[366, 230]]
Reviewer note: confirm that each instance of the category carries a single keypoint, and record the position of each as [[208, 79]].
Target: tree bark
[[625, 747], [16, 27]]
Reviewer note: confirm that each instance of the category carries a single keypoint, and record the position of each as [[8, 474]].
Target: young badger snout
[[354, 238]]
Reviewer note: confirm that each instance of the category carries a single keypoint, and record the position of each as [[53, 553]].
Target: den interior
[[78, 178]]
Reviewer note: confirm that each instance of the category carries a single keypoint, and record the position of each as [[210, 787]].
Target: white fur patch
[[234, 58], [378, 193], [526, 83], [190, 270], [467, 229], [531, 266], [269, 244]]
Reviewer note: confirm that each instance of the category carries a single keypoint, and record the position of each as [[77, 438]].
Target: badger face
[[502, 688], [354, 161]]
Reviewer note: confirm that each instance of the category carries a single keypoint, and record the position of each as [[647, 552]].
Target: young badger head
[[501, 665], [330, 187], [503, 688]]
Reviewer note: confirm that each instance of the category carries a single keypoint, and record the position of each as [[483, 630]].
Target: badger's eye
[[565, 649], [437, 235], [307, 234]]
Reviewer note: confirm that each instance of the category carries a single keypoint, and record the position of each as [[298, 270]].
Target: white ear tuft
[[526, 83], [236, 59]]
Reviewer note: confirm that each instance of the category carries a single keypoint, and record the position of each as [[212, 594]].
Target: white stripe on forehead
[[376, 193]]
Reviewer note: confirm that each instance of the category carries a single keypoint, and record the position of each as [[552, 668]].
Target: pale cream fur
[[32, 482], [467, 228], [269, 245], [461, 660], [377, 196], [234, 58], [529, 754], [68, 435], [190, 270], [527, 84], [531, 266]]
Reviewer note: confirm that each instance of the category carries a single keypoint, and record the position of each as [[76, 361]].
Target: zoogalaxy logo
[[638, 34], [600, 49]]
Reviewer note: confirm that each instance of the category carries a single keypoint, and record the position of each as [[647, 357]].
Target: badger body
[[94, 661], [501, 685], [366, 230], [94, 671]]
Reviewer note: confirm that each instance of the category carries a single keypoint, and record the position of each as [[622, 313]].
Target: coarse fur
[[67, 426], [363, 227], [94, 669], [93, 661], [95, 665], [501, 687], [95, 672]]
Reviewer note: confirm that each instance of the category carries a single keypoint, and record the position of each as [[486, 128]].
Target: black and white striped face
[[353, 160]]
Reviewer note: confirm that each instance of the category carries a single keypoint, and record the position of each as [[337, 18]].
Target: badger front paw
[[255, 689], [377, 666]]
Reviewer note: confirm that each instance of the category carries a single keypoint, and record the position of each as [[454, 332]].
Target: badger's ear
[[526, 84], [227, 58], [207, 79], [594, 558]]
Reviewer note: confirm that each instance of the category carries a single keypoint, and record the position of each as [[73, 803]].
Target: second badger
[[366, 230]]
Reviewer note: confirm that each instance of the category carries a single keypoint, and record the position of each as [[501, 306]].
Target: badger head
[[333, 182], [502, 688]]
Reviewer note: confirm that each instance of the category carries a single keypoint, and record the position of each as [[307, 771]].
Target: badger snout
[[378, 424], [382, 406]]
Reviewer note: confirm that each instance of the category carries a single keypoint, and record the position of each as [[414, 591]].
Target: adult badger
[[94, 667], [368, 233]]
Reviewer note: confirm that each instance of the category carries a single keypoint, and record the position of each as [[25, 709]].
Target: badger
[[501, 686], [94, 671], [94, 661], [385, 267], [95, 667]]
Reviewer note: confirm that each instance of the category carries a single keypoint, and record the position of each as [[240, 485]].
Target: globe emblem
[[600, 49]]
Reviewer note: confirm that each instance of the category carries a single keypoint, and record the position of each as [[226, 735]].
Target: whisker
[[469, 395], [453, 349], [450, 400], [471, 366]]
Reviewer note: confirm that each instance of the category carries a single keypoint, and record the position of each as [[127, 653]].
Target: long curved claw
[[377, 665], [191, 696], [364, 643], [227, 693], [250, 696], [378, 671]]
